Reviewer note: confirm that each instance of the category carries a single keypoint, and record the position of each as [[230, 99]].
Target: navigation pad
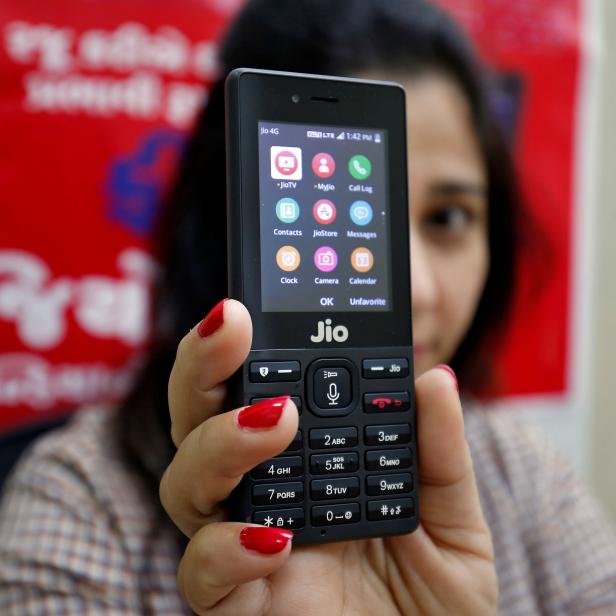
[[332, 387]]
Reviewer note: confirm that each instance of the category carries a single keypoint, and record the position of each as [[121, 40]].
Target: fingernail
[[264, 414], [447, 369], [265, 540], [213, 320]]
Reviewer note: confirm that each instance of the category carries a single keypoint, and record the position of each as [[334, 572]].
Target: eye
[[449, 219]]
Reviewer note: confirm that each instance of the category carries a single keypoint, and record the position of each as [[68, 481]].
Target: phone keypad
[[279, 468], [334, 463], [277, 493], [387, 435], [324, 515], [387, 402], [385, 368], [326, 489], [332, 387], [274, 371], [383, 485], [333, 438], [388, 460], [384, 450], [281, 518], [390, 509]]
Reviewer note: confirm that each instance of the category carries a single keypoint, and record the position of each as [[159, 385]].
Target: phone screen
[[324, 218]]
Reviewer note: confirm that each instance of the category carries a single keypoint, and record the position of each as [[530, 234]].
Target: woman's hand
[[445, 567]]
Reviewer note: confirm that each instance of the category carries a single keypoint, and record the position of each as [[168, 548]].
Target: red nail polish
[[264, 414], [265, 540], [446, 368], [213, 320]]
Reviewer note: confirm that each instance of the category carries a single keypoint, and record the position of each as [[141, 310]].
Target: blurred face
[[449, 217]]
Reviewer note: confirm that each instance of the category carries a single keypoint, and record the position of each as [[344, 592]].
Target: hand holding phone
[[319, 254], [234, 569]]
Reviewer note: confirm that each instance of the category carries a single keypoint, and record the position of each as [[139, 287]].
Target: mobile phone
[[318, 251]]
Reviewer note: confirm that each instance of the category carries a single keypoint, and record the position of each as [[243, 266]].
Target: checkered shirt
[[79, 535]]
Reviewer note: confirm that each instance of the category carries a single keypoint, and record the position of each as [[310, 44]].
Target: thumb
[[448, 497]]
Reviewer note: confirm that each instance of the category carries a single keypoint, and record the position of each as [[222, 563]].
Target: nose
[[423, 281]]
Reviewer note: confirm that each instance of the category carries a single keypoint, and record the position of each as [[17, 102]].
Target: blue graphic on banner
[[135, 181]]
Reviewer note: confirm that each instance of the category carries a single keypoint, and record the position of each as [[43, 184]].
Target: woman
[[504, 524]]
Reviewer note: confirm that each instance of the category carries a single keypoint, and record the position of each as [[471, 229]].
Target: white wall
[[602, 443]]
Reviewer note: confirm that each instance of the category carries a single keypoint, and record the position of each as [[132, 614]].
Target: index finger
[[207, 356]]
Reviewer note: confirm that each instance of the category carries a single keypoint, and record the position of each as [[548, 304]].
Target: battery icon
[[377, 138]]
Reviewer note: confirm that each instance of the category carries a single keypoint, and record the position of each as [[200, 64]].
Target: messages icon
[[361, 212]]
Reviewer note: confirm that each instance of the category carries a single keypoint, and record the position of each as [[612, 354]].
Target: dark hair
[[411, 37]]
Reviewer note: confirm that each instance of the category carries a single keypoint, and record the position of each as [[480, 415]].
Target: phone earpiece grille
[[324, 99]]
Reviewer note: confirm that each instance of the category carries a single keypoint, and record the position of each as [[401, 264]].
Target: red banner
[[96, 100], [95, 105]]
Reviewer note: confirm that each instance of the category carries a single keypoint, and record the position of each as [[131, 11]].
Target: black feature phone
[[319, 254]]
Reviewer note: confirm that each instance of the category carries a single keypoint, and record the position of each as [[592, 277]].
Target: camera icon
[[325, 259]]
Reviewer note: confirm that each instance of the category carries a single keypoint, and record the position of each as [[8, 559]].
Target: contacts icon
[[287, 210]]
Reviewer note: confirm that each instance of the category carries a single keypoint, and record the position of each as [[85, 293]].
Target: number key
[[333, 438], [277, 493], [279, 468], [335, 514], [333, 463], [387, 435], [326, 489], [280, 518], [389, 459], [377, 485]]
